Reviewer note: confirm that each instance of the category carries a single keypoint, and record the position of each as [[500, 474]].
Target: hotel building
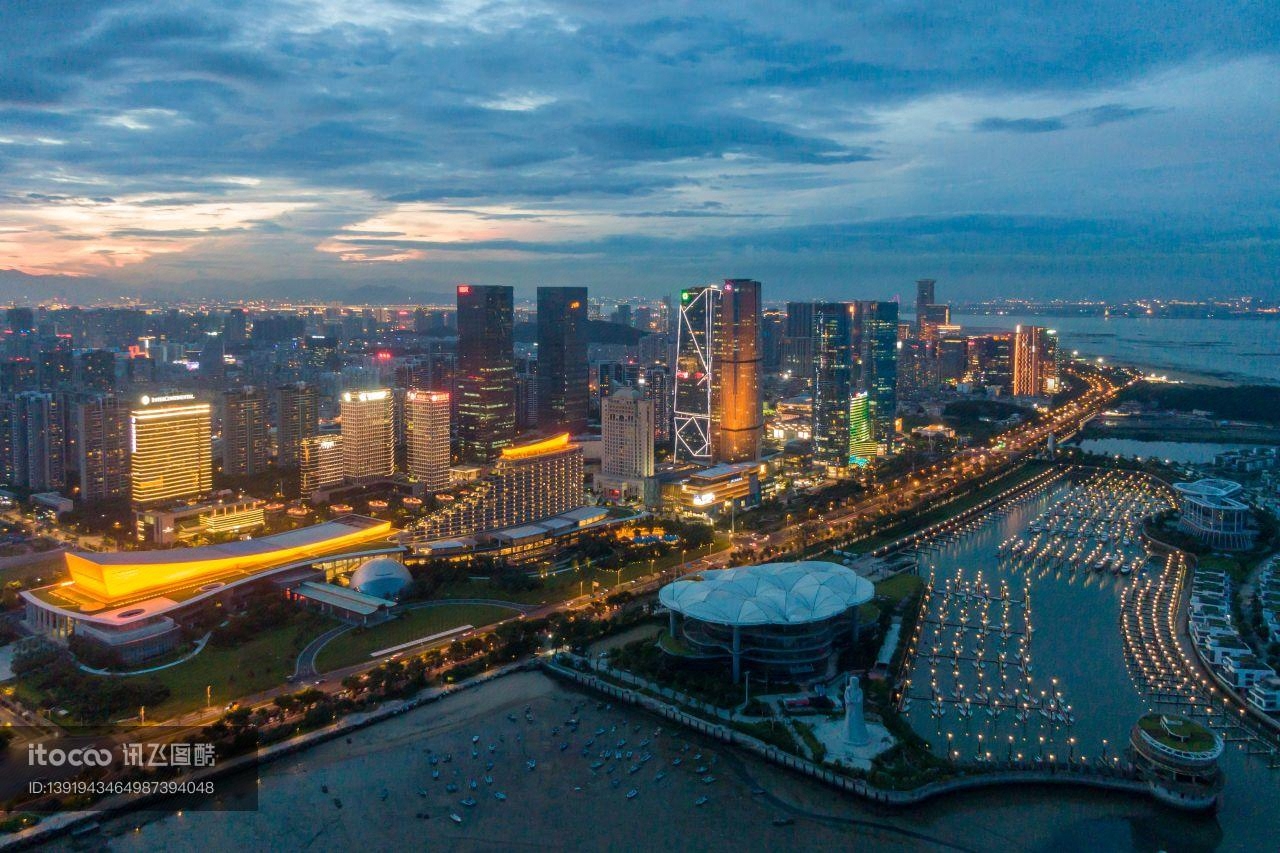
[[626, 431], [321, 461], [171, 455], [426, 423], [368, 435], [527, 482]]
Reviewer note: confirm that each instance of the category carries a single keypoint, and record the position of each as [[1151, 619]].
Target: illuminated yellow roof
[[115, 576], [537, 448]]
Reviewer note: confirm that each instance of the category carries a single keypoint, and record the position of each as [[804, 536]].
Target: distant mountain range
[[23, 288]]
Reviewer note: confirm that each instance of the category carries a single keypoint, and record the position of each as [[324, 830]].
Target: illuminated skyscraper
[[486, 372], [834, 375], [368, 435], [698, 313], [1035, 370], [427, 436], [245, 431], [102, 427], [297, 419], [876, 333], [169, 445], [737, 413], [562, 359], [862, 442]]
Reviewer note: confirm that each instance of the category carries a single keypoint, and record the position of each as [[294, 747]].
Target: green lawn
[[899, 587], [566, 585], [355, 646], [260, 664]]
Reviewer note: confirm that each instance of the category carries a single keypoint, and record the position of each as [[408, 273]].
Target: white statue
[[855, 726]]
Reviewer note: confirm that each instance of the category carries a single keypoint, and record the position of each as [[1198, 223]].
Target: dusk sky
[[828, 149]]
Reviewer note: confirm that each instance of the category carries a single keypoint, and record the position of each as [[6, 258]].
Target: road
[[909, 491]]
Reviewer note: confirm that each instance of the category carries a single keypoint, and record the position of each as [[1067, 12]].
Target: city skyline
[[307, 149]]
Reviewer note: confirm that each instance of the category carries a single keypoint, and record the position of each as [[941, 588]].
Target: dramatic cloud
[[1063, 147]]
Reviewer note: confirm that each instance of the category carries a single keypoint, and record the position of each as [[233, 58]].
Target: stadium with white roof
[[785, 618]]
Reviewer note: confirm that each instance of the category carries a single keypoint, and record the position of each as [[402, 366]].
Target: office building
[[925, 296], [102, 430], [877, 336], [321, 462], [427, 437], [368, 435], [797, 346], [245, 432], [862, 441], [695, 335], [562, 359], [169, 439], [297, 419], [737, 423], [32, 441], [486, 378], [834, 378]]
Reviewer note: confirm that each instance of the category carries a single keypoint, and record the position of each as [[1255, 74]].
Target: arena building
[[133, 602], [788, 619]]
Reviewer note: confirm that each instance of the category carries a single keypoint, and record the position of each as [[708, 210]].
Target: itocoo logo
[[38, 755]]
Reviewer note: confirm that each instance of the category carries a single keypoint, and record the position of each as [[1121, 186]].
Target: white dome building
[[381, 577], [788, 618]]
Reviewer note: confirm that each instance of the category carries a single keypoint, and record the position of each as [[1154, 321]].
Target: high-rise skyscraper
[[1035, 370], [486, 372], [877, 337], [737, 423], [862, 442], [626, 431], [245, 431], [368, 435], [427, 437], [298, 417], [171, 455], [925, 295], [834, 378], [102, 427], [695, 336], [33, 441], [797, 346], [562, 359]]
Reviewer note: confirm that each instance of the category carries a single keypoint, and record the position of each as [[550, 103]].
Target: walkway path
[[200, 644], [305, 669]]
